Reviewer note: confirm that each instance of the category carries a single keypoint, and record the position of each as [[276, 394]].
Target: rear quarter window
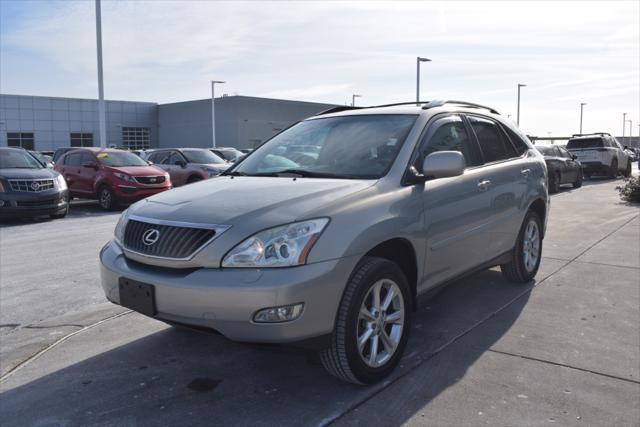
[[585, 143]]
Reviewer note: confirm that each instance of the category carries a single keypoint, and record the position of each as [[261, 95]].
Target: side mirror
[[90, 165], [181, 163], [626, 147], [574, 157], [443, 164]]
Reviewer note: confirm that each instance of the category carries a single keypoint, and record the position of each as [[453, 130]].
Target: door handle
[[525, 172], [484, 184]]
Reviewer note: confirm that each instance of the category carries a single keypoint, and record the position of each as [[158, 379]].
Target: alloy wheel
[[380, 323], [531, 246]]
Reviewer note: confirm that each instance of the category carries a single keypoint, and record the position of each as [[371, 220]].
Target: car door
[[71, 171], [177, 168], [570, 166], [86, 175], [507, 170], [457, 208], [160, 159]]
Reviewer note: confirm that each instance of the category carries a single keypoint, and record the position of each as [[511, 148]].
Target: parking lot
[[565, 349]]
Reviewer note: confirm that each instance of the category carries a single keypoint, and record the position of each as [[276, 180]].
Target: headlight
[[61, 183], [122, 224], [124, 177], [283, 246]]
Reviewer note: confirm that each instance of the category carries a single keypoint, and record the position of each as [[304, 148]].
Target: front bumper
[[26, 204], [227, 299], [132, 193]]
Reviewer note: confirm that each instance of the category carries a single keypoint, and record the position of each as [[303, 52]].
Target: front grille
[[36, 203], [172, 241], [31, 185], [149, 179]]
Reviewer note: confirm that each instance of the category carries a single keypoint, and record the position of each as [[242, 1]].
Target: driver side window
[[448, 134]]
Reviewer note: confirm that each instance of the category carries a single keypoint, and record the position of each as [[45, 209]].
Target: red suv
[[111, 176]]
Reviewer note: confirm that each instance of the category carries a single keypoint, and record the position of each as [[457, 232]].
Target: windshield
[[358, 147], [202, 157], [120, 158], [585, 143], [18, 159], [545, 151]]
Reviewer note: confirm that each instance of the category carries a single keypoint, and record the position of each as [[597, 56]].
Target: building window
[[20, 139], [136, 138], [81, 139]]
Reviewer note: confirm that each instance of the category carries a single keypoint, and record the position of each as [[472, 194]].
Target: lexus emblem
[[150, 236], [35, 186]]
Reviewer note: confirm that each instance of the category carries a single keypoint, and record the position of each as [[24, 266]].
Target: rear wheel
[[193, 179], [578, 182], [527, 252], [613, 169], [554, 182], [106, 198], [372, 323]]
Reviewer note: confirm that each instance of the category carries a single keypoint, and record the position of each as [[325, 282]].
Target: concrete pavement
[[565, 349]]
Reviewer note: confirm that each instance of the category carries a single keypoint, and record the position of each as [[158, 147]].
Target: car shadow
[[178, 377]]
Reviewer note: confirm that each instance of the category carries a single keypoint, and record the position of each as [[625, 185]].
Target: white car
[[600, 153]]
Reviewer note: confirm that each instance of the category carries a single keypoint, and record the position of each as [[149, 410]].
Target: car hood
[[257, 202], [138, 170], [27, 173]]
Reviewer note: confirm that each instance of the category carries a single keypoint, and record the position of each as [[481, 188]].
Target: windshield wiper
[[303, 174], [233, 173]]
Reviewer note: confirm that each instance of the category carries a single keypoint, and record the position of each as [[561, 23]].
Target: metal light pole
[[624, 123], [418, 61], [582, 104], [353, 99], [518, 113], [630, 127], [102, 115], [213, 111]]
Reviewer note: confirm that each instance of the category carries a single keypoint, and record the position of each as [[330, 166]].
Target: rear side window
[[86, 157], [449, 134], [517, 140], [585, 143], [73, 159], [493, 142]]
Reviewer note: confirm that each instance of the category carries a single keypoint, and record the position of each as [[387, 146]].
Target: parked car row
[[585, 156]]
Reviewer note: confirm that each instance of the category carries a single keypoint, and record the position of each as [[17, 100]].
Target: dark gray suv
[[395, 201]]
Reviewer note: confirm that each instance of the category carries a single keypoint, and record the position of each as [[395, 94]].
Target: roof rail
[[337, 109], [463, 103], [592, 133]]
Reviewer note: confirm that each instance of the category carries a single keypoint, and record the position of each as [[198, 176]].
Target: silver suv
[[335, 253], [600, 153]]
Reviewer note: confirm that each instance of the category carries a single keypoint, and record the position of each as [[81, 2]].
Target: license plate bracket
[[137, 296]]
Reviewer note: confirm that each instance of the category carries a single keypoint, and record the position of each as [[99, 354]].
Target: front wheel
[[554, 182], [106, 198], [372, 323], [627, 171], [578, 181], [527, 253]]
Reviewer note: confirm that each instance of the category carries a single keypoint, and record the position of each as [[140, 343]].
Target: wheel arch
[[540, 207], [401, 252]]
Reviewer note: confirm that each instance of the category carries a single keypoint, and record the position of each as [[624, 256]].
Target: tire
[[193, 178], [613, 169], [627, 171], [106, 198], [554, 182], [60, 215], [521, 269], [345, 359], [586, 175], [578, 181]]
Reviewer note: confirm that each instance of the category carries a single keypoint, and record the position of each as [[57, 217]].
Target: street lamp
[[582, 104], [213, 110], [630, 127], [518, 114], [624, 123], [353, 99], [418, 61], [102, 115]]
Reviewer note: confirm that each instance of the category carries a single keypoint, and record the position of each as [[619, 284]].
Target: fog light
[[285, 313]]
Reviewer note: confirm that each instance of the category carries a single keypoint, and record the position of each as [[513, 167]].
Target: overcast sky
[[166, 51]]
